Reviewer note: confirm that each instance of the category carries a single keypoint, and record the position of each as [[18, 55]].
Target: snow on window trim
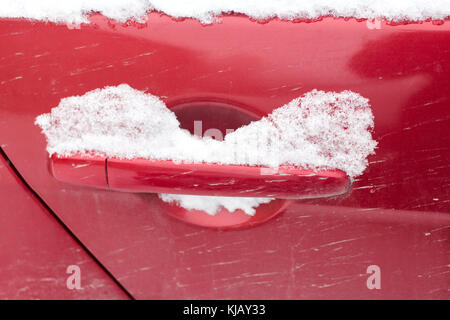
[[77, 11]]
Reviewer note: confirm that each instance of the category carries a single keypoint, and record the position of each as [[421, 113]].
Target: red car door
[[395, 218]]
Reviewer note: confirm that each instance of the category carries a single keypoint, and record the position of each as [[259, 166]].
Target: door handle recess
[[155, 176]]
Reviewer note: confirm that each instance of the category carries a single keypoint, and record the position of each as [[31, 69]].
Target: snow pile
[[212, 205], [318, 130], [76, 11], [395, 10]]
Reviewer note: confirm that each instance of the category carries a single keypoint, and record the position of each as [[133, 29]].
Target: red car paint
[[396, 215], [150, 176], [86, 171], [37, 251]]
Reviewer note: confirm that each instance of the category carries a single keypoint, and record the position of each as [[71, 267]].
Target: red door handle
[[152, 176]]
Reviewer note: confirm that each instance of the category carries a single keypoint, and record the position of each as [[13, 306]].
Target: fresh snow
[[317, 130], [77, 11], [213, 205]]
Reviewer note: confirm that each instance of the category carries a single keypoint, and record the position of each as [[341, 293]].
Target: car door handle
[[155, 176]]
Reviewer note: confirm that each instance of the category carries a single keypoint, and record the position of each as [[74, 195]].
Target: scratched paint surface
[[36, 251], [396, 216]]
